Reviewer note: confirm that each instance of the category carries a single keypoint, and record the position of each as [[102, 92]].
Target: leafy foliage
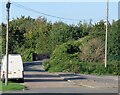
[[92, 50], [85, 67], [113, 41], [62, 60], [68, 45]]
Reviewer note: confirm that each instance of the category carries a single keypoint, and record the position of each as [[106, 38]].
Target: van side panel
[[15, 67]]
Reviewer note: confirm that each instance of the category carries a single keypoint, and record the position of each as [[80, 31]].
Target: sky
[[61, 0], [82, 11]]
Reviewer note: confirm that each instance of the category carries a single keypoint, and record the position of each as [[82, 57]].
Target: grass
[[11, 86]]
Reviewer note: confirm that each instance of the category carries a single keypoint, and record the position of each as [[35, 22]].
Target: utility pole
[[106, 37], [7, 31]]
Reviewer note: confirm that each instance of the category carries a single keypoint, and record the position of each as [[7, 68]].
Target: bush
[[46, 64], [65, 58], [84, 67], [99, 68], [92, 50]]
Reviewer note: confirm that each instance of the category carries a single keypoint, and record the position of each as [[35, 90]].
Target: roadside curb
[[72, 78], [94, 85], [81, 84]]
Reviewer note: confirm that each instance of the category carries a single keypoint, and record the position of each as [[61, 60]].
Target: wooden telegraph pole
[[7, 31], [106, 37]]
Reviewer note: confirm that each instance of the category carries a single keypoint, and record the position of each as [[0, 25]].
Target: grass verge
[[11, 86]]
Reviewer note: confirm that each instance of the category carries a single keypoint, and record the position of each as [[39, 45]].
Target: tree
[[114, 41]]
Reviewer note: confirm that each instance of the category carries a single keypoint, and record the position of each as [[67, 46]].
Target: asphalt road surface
[[37, 80]]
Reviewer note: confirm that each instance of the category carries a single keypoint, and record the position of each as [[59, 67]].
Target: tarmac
[[91, 81]]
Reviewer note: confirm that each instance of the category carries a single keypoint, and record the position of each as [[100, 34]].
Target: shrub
[[64, 58], [99, 68], [46, 64], [92, 50]]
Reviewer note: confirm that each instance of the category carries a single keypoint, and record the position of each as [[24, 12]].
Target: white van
[[15, 68]]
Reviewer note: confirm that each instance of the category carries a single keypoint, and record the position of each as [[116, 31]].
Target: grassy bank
[[11, 86]]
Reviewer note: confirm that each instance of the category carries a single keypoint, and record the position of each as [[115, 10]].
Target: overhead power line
[[38, 12]]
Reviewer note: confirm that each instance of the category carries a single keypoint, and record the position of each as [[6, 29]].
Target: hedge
[[85, 67]]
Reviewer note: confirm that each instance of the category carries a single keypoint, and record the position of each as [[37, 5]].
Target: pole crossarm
[[8, 5]]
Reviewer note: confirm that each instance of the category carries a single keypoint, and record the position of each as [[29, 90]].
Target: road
[[37, 80]]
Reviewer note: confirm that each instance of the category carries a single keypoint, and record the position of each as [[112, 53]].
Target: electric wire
[[38, 12]]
